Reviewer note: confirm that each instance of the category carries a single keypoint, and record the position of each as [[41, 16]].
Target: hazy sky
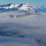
[[33, 2]]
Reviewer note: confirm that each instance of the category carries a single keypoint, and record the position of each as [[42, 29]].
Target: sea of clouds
[[22, 31]]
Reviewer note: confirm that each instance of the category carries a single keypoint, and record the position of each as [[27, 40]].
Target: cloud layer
[[23, 31]]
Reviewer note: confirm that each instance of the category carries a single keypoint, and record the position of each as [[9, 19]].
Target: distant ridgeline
[[22, 7], [12, 7]]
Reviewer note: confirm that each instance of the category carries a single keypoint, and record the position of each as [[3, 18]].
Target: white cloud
[[25, 31]]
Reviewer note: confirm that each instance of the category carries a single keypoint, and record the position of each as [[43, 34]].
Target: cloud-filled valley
[[22, 31]]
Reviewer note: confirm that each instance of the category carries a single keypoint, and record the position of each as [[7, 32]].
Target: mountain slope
[[25, 7], [11, 5], [39, 9], [21, 7]]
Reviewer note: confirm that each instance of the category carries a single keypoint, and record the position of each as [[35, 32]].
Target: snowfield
[[22, 31]]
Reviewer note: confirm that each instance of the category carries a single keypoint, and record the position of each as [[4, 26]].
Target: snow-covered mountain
[[11, 5], [14, 7], [25, 7], [39, 8], [22, 7], [44, 6]]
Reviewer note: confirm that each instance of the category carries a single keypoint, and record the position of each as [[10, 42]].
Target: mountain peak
[[44, 6], [21, 7]]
